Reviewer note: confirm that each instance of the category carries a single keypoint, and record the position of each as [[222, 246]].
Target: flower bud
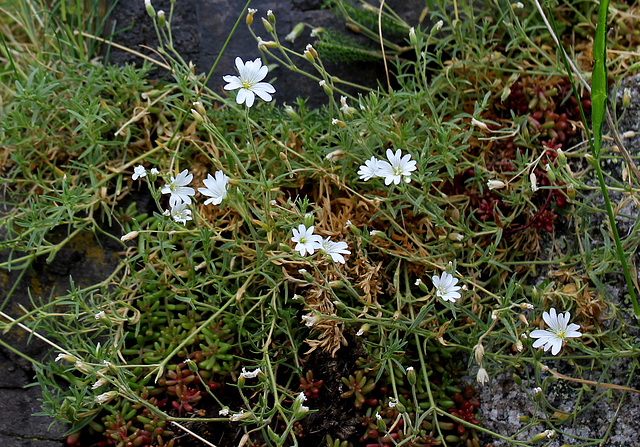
[[562, 158], [571, 191], [277, 440], [517, 379], [149, 8], [380, 423], [413, 39], [478, 353], [422, 285], [325, 87], [438, 26], [197, 116], [130, 235], [310, 53], [267, 25], [317, 31], [363, 329], [339, 123], [291, 113], [295, 32], [250, 13], [495, 184], [411, 376], [534, 182], [105, 397], [161, 19], [626, 98], [308, 220], [271, 17]]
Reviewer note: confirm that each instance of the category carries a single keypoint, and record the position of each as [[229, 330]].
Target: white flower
[[369, 169], [250, 374], [215, 187], [301, 397], [495, 184], [309, 320], [559, 330], [335, 249], [305, 240], [178, 189], [397, 167], [248, 81], [180, 213], [482, 377], [100, 315], [393, 402], [446, 287], [154, 171], [139, 172], [224, 412], [439, 25]]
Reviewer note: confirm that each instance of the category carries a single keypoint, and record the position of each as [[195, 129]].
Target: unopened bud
[[295, 32], [339, 123], [626, 98], [277, 440], [562, 157], [130, 235], [413, 39], [291, 113], [571, 191], [411, 376], [363, 330], [325, 87], [517, 379], [534, 182], [478, 353], [161, 19], [199, 118], [495, 184], [551, 174], [380, 423], [311, 51], [149, 8], [308, 220], [271, 17], [267, 26], [317, 31]]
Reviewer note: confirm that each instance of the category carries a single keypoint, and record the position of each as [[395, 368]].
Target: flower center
[[247, 85]]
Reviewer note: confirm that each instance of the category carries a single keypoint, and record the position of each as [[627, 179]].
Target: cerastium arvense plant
[[353, 275]]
